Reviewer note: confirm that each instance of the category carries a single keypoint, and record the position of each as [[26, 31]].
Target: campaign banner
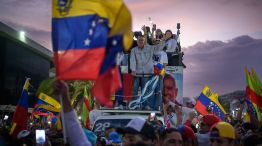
[[177, 73]]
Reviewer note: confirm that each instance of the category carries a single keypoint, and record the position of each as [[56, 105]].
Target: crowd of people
[[180, 125], [209, 130], [154, 50]]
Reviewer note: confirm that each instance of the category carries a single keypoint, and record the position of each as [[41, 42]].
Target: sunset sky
[[219, 37]]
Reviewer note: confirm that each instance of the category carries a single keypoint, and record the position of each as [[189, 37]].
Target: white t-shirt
[[160, 57], [171, 45]]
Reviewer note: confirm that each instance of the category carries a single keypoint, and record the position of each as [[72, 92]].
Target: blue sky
[[219, 37]]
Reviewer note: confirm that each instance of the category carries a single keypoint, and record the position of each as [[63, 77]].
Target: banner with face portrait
[[176, 72]]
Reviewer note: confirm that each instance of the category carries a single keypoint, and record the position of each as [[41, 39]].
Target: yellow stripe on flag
[[27, 84], [12, 129], [49, 100], [78, 8], [213, 97], [58, 124], [48, 107], [116, 12]]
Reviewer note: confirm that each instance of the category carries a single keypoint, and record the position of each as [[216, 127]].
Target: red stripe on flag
[[127, 86], [254, 97], [20, 118], [87, 104], [80, 64], [202, 109], [106, 85]]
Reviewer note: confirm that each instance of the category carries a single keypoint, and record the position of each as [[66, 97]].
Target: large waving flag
[[20, 116], [253, 89], [87, 35], [209, 99], [79, 32], [87, 107]]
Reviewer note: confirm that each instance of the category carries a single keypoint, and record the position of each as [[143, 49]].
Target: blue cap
[[115, 137]]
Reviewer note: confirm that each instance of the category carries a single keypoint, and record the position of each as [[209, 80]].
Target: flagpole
[[63, 119]]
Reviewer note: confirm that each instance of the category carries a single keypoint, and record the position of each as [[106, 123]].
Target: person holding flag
[[73, 128], [87, 36]]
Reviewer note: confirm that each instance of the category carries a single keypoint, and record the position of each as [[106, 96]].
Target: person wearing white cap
[[138, 131]]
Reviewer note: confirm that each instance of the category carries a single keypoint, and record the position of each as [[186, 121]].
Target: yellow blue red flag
[[209, 99], [19, 121], [87, 35]]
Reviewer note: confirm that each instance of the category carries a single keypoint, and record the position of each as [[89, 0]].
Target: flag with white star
[[86, 36]]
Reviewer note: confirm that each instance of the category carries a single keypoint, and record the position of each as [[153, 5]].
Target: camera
[[147, 29], [178, 26]]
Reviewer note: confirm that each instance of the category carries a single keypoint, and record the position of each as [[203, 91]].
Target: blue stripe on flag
[[207, 102], [80, 32], [114, 46], [23, 101]]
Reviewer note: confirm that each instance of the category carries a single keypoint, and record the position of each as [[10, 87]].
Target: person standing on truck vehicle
[[141, 62]]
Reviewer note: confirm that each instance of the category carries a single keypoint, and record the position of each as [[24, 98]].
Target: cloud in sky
[[201, 20], [221, 64]]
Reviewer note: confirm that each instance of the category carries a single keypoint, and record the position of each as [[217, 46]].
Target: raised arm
[[73, 128]]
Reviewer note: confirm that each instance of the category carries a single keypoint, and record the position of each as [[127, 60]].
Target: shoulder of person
[[133, 49], [174, 40]]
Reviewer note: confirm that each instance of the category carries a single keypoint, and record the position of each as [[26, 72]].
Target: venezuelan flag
[[20, 116], [87, 35], [109, 80], [79, 32], [120, 38], [48, 100], [47, 107], [209, 99]]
